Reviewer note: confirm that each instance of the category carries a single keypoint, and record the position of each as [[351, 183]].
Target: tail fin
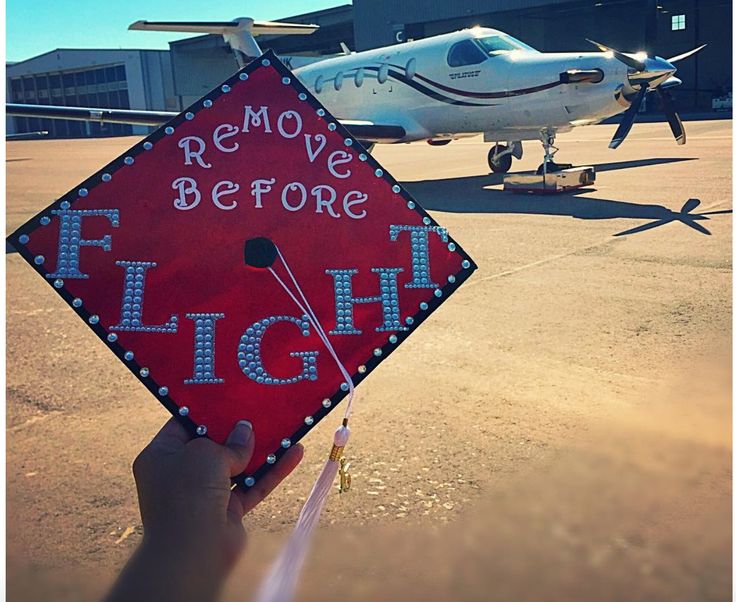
[[239, 33]]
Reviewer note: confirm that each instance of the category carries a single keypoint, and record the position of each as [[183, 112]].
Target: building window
[[678, 22], [17, 89]]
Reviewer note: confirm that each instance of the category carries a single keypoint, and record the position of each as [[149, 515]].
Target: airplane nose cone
[[657, 70], [660, 66]]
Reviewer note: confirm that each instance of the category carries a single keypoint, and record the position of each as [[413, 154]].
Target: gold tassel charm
[[336, 452], [345, 477]]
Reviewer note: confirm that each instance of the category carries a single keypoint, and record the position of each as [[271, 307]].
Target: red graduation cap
[[175, 254]]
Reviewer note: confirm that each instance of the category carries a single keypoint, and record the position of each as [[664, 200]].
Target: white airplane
[[446, 87]]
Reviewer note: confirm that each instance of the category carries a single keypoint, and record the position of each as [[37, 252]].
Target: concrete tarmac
[[560, 429]]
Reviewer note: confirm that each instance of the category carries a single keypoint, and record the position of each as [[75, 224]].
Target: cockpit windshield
[[501, 44]]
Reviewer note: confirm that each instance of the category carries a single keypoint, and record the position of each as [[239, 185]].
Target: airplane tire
[[553, 167], [501, 165]]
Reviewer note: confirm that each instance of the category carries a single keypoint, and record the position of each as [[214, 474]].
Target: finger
[[172, 435], [256, 494], [235, 510], [239, 445]]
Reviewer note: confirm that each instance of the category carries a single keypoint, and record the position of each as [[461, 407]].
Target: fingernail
[[241, 433]]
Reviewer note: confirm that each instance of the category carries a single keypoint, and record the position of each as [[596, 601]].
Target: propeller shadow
[[614, 165], [471, 195]]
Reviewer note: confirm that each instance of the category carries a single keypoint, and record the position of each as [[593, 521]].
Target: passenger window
[[318, 84], [382, 73], [338, 80], [359, 75], [465, 53]]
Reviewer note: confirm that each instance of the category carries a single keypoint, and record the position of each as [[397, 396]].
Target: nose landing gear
[[548, 165], [551, 177]]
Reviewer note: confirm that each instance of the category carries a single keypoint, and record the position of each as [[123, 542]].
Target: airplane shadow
[[470, 195]]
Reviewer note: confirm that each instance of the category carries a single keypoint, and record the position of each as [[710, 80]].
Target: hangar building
[[202, 62], [666, 27], [171, 80], [121, 79]]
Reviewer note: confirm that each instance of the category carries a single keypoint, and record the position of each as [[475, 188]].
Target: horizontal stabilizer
[[256, 28]]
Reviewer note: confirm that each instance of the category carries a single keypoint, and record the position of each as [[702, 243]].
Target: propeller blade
[[627, 60], [645, 227], [696, 226], [678, 131], [625, 126], [689, 205], [721, 212], [684, 55]]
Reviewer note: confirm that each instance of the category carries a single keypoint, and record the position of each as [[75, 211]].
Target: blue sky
[[37, 26]]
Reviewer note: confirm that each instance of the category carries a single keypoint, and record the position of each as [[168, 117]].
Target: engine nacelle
[[576, 76]]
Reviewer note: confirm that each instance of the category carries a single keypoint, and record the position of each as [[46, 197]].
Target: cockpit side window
[[501, 44], [465, 53]]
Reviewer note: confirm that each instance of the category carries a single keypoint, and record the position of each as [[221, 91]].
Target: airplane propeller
[[627, 122], [649, 74]]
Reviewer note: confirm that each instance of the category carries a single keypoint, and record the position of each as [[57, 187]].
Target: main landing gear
[[548, 164], [500, 156]]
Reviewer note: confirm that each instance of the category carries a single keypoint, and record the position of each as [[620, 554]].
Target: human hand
[[192, 518]]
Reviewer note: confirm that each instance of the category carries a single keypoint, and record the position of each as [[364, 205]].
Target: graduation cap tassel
[[281, 581]]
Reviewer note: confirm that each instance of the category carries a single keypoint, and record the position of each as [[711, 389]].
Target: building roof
[[347, 9], [97, 50]]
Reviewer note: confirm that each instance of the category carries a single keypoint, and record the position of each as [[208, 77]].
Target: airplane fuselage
[[434, 91], [473, 81]]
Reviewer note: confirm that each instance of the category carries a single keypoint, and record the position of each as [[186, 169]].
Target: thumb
[[239, 445]]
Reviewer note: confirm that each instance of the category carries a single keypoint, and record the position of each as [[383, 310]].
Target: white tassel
[[280, 583]]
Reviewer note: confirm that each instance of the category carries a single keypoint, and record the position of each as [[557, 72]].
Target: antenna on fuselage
[[240, 33]]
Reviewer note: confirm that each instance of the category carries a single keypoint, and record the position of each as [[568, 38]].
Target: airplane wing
[[368, 131], [26, 135], [133, 117], [374, 132]]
